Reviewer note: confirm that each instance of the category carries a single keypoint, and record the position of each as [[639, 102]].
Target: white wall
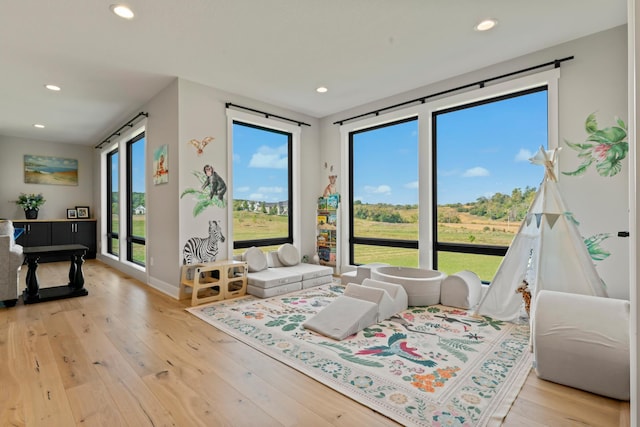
[[203, 113], [59, 198], [181, 112], [594, 81], [162, 210], [634, 244]]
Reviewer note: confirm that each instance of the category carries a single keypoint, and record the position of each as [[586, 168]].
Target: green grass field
[[139, 229], [248, 225]]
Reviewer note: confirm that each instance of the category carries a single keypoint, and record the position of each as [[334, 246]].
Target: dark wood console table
[[75, 288]]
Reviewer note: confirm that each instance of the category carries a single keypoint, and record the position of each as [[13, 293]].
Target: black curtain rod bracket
[[556, 63], [117, 132], [265, 114]]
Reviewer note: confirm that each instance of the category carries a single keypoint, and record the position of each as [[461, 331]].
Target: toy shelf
[[213, 281]]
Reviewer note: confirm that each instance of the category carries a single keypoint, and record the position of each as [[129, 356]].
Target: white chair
[[11, 259], [582, 341]]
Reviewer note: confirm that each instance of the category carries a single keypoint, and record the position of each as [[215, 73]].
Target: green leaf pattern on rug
[[290, 322], [488, 321], [457, 347], [372, 332]]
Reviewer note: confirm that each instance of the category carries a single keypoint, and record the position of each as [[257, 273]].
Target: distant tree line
[[382, 212], [500, 206], [137, 199]]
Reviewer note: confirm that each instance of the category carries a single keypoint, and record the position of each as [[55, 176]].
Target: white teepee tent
[[548, 253]]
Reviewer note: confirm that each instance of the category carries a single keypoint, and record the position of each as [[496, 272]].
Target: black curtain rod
[[117, 133], [481, 83], [265, 114]]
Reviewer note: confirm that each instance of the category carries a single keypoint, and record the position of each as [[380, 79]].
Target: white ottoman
[[360, 273], [461, 290], [582, 341]]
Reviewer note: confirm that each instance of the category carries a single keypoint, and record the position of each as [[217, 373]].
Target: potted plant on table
[[31, 204]]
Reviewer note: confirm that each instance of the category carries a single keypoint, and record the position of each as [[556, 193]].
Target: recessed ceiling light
[[486, 25], [53, 87], [321, 89], [122, 11], [39, 126]]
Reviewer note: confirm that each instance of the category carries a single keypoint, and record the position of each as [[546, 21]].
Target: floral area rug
[[426, 366]]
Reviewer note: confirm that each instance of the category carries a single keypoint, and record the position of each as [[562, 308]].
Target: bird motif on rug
[[397, 345]]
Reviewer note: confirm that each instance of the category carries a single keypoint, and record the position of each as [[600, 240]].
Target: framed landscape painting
[[50, 170]]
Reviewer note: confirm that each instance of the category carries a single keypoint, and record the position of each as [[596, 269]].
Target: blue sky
[[138, 170], [260, 161], [481, 151]]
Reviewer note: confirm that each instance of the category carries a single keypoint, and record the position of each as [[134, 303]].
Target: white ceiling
[[276, 51]]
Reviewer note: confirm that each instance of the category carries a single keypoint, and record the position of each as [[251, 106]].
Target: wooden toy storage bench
[[213, 281]]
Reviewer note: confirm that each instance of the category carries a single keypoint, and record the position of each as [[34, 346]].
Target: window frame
[[352, 238], [120, 260], [109, 200], [425, 146], [467, 248], [132, 239], [294, 176]]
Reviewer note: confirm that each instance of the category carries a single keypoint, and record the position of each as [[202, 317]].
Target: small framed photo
[[82, 211], [72, 214]]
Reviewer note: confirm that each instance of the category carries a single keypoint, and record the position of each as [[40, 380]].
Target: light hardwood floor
[[129, 355]]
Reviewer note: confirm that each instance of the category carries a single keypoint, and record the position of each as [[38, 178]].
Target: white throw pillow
[[288, 254], [273, 260], [256, 259]]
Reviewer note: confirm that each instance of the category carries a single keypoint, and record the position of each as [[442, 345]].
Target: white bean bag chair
[[582, 341]]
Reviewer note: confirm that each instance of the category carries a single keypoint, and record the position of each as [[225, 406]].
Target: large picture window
[[136, 198], [484, 182], [124, 204], [383, 194], [113, 203], [262, 187]]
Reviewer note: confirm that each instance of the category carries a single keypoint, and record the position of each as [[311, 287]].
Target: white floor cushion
[[461, 290], [310, 271], [317, 281], [582, 341], [272, 277], [276, 290], [343, 317], [398, 298]]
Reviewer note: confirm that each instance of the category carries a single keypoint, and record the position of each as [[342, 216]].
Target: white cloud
[[451, 172], [380, 189], [474, 172], [412, 184], [271, 190], [242, 189], [272, 158], [523, 155], [257, 196]]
